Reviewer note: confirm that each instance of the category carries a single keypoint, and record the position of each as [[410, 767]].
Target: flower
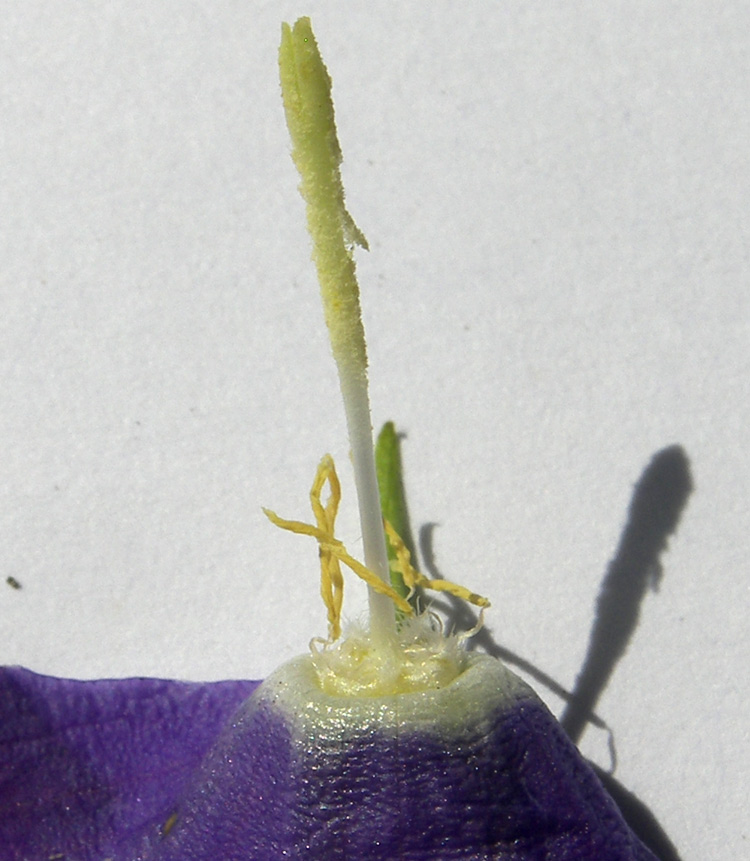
[[154, 770]]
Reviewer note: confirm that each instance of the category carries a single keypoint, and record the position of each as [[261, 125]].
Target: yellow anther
[[331, 551], [412, 578]]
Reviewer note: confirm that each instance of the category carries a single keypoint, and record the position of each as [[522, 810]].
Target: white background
[[556, 198]]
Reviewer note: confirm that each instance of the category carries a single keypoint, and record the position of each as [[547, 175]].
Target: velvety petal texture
[[148, 770], [85, 765]]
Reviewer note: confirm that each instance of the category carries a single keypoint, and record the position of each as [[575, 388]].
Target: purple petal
[[83, 765], [301, 774], [167, 771]]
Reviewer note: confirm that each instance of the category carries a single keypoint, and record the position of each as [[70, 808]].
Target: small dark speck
[[12, 582], [169, 824]]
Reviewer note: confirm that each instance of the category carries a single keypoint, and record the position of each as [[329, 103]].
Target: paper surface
[[556, 205]]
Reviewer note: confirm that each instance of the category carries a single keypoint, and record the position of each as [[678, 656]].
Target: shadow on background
[[655, 509], [658, 500]]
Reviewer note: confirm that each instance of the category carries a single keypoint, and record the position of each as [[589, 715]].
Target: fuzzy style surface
[[151, 770]]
